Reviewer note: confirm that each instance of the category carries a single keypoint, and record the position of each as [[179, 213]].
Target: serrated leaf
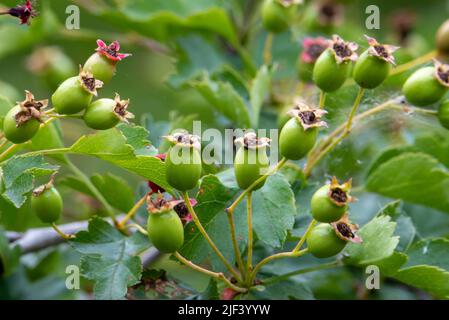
[[212, 199], [378, 242], [428, 278], [260, 89], [389, 266], [137, 138], [223, 97], [109, 258], [414, 177], [274, 211], [285, 290], [19, 173]]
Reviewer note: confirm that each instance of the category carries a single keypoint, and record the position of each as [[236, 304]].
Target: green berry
[[22, 122], [323, 242], [183, 162], [19, 133], [165, 231], [443, 114], [299, 134], [101, 67], [276, 16], [370, 71], [330, 202], [374, 65], [251, 160], [104, 114], [423, 88], [75, 94], [47, 204], [328, 74]]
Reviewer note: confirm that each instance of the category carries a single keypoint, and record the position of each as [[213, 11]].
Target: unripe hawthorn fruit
[[251, 160], [374, 65], [22, 122], [165, 231], [427, 85], [312, 49], [443, 114], [164, 226], [323, 242], [46, 202], [330, 202], [102, 64], [75, 94], [183, 161], [442, 38], [278, 14], [333, 66], [104, 114], [299, 134]]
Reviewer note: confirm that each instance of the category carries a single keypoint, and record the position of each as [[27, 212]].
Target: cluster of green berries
[[74, 95], [329, 206]]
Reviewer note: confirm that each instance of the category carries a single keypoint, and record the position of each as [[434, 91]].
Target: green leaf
[[9, 256], [112, 146], [260, 89], [274, 211], [428, 278], [223, 97], [137, 138], [191, 65], [414, 177], [378, 242], [162, 19], [109, 258], [115, 190], [212, 199], [389, 266], [19, 173]]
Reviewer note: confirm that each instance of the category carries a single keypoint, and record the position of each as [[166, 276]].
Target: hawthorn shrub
[[96, 182]]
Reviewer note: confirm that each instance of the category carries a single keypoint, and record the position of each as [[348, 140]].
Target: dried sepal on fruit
[[22, 121], [382, 51], [312, 49], [330, 202], [89, 83], [25, 12], [299, 134], [343, 50], [251, 160], [111, 51], [346, 230]]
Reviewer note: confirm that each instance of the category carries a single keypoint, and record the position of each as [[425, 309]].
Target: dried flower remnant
[[25, 12], [343, 50], [312, 48], [382, 51], [111, 51]]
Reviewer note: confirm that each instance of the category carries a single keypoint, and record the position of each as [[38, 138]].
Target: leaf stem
[[201, 229], [61, 233], [132, 212], [138, 227], [238, 256], [274, 257], [216, 275], [242, 195], [420, 60], [306, 234], [249, 263]]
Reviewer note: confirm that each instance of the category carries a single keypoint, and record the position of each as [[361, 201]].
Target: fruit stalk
[[304, 237], [355, 106], [61, 233], [132, 212], [249, 216], [201, 229], [416, 62], [238, 257]]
